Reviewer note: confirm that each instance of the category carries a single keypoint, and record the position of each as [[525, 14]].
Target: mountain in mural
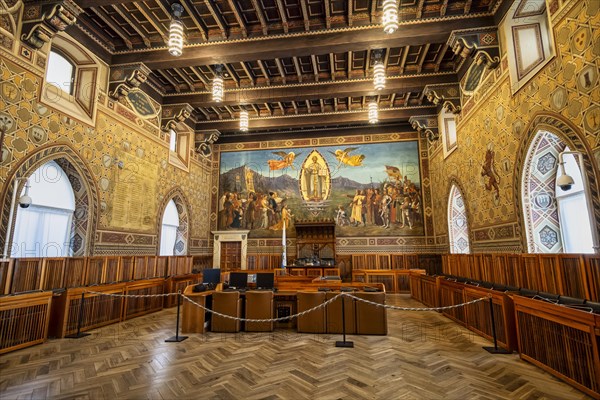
[[244, 179]]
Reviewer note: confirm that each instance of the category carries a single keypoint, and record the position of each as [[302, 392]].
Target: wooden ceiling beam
[[468, 4], [261, 17], [367, 63], [248, 73], [295, 107], [235, 78], [353, 88], [230, 111], [399, 115], [349, 65], [392, 99], [212, 8], [143, 8], [217, 112], [420, 8], [323, 42], [283, 16], [403, 60], [206, 115], [281, 107], [322, 105], [308, 107], [298, 69], [281, 70], [424, 51], [238, 17], [187, 80], [169, 79], [406, 99], [373, 11], [305, 15], [327, 8], [444, 7], [201, 76], [315, 67], [196, 18], [256, 109], [113, 25], [264, 71], [440, 57], [136, 27], [332, 66], [349, 4]]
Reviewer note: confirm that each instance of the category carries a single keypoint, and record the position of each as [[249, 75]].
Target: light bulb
[[217, 89], [379, 76], [390, 16], [373, 113], [244, 121]]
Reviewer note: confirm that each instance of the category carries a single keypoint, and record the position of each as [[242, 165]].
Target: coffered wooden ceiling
[[290, 63]]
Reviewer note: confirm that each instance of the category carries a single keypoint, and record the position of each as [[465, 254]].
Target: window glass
[[60, 72]]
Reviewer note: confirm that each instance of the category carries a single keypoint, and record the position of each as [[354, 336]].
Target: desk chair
[[228, 303], [370, 319], [315, 321], [259, 305]]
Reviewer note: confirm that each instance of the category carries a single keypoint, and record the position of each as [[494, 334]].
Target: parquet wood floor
[[424, 356]]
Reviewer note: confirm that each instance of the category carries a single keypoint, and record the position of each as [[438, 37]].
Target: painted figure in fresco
[[344, 157], [286, 218], [273, 212], [357, 201], [385, 210], [406, 220], [488, 170], [315, 176], [341, 218], [287, 160]]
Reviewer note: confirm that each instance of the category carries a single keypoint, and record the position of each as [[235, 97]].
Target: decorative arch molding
[[454, 183], [84, 188], [184, 211], [574, 139]]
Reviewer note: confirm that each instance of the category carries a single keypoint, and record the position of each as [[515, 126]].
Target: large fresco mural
[[368, 189]]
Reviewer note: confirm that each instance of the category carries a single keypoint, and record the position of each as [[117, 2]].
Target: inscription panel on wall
[[135, 183]]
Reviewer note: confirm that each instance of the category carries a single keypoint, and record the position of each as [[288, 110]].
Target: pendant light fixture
[[244, 120], [373, 112], [390, 16], [176, 30], [378, 71], [217, 84]]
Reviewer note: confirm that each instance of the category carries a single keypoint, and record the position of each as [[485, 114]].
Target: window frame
[[64, 56]]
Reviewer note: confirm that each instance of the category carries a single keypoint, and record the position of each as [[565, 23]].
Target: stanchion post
[[344, 343], [177, 338], [79, 334], [495, 349]]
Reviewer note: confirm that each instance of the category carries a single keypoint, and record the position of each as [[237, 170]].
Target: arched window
[[556, 221], [458, 229], [60, 72], [573, 211], [44, 228], [168, 233]]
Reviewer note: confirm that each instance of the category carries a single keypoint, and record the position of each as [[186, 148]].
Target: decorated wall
[[326, 187], [495, 129], [367, 189], [119, 156]]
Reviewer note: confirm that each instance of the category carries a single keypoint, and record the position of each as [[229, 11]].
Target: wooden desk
[[193, 317]]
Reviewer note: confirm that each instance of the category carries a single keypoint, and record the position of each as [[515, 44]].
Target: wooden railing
[[28, 274], [561, 340], [571, 275], [431, 263], [24, 320], [394, 280]]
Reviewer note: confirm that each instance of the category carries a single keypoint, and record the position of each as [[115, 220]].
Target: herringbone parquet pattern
[[425, 356]]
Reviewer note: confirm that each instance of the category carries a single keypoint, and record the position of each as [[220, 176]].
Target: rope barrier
[[342, 294]]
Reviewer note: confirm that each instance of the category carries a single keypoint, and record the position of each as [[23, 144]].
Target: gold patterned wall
[[129, 198], [496, 124]]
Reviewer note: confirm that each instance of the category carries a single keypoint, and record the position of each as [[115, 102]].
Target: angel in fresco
[[344, 157], [287, 160]]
